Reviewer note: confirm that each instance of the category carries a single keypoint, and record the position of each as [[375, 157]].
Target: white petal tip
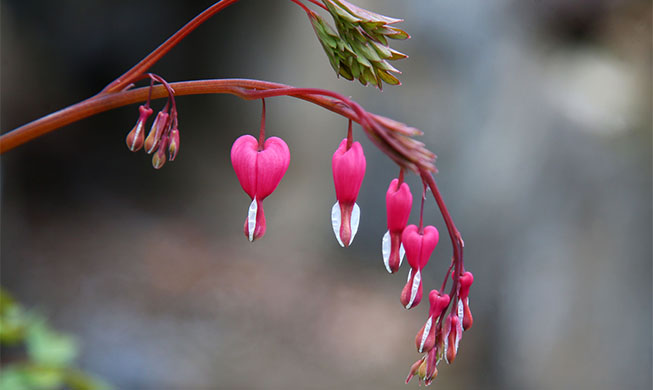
[[336, 222], [385, 250], [251, 219]]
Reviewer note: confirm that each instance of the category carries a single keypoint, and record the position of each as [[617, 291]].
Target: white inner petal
[[402, 253], [335, 222], [458, 337], [251, 218], [385, 249], [425, 335], [461, 310], [444, 350], [355, 220], [410, 272], [413, 292]]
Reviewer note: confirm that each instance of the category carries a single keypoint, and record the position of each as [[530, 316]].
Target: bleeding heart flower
[[398, 201], [259, 171], [419, 246], [348, 171]]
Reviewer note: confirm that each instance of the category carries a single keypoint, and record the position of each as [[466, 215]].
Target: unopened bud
[[414, 369], [137, 134], [174, 144], [466, 281], [156, 131], [411, 294], [453, 331], [159, 158]]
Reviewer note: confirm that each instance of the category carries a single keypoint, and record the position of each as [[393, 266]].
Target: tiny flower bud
[[174, 144], [137, 134], [159, 157], [348, 172], [431, 368], [259, 173], [399, 201], [156, 131], [414, 369], [425, 339], [453, 331], [466, 281]]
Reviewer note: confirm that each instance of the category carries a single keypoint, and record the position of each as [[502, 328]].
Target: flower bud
[[156, 131], [453, 331], [137, 134], [399, 201], [348, 172], [466, 281], [159, 157], [414, 369], [174, 144], [425, 339]]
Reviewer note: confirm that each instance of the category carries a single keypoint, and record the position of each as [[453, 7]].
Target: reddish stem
[[350, 136], [137, 70], [261, 134]]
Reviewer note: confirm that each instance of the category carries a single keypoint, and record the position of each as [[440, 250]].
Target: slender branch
[[137, 70]]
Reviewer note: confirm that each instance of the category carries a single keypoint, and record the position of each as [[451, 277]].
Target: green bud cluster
[[359, 49]]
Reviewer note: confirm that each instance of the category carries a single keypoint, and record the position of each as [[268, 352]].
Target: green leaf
[[48, 347]]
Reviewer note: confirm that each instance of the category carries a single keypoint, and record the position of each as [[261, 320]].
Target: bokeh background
[[539, 111]]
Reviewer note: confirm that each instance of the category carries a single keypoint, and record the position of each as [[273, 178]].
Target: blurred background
[[539, 111]]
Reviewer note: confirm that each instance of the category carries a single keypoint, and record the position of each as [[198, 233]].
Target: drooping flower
[[136, 136], [398, 200], [425, 339], [259, 171], [419, 246], [348, 165]]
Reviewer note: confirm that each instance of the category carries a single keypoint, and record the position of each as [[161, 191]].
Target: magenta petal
[[348, 171], [272, 164], [259, 172], [429, 241], [244, 153], [412, 241], [399, 201], [438, 303]]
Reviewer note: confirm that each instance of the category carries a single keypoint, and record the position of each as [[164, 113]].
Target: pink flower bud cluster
[[163, 135], [440, 336]]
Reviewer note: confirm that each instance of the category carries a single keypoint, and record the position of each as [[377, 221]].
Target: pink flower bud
[[419, 247], [173, 149], [259, 173], [156, 131], [348, 172], [137, 134], [454, 332], [425, 339], [418, 368], [159, 157], [399, 201], [466, 281]]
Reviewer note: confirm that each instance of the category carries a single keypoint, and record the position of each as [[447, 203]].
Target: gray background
[[539, 111]]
